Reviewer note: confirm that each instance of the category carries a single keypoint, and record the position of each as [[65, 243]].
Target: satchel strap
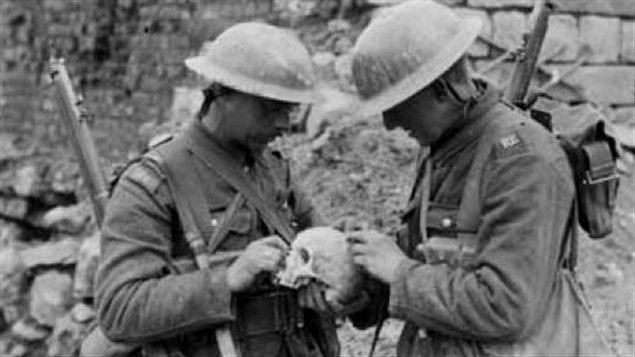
[[569, 259]]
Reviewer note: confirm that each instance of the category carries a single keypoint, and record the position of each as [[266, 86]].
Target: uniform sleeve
[[525, 207], [137, 299]]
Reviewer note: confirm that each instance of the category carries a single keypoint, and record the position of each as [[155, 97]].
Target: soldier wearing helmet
[[479, 268], [149, 291]]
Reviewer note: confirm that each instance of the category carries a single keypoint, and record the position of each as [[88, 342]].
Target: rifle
[[76, 125], [74, 120], [526, 60]]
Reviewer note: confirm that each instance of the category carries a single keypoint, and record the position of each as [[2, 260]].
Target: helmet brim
[[425, 74], [215, 73]]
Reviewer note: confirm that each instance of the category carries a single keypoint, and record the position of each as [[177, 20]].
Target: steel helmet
[[259, 59], [406, 48]]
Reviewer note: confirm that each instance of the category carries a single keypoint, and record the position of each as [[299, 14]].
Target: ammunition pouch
[[270, 312], [593, 154]]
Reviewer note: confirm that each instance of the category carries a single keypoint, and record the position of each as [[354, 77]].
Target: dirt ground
[[360, 175]]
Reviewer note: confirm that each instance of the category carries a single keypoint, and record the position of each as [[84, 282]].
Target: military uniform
[[496, 292], [149, 291]]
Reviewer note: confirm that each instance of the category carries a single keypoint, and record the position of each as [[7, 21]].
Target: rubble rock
[[344, 71], [8, 149], [9, 234], [325, 64], [624, 122], [396, 2], [63, 252], [478, 49], [66, 338], [628, 41], [3, 322], [26, 181], [336, 105], [5, 346], [508, 28], [29, 330], [68, 219], [11, 348], [86, 268], [82, 313], [65, 177], [608, 274], [338, 25], [499, 4], [50, 297], [563, 38], [602, 34], [185, 104], [12, 278], [18, 350], [15, 207], [607, 85], [612, 8]]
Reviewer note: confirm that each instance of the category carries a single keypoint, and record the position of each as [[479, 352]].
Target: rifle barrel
[[525, 67], [80, 138]]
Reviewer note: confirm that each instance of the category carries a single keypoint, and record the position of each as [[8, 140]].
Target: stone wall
[[602, 31]]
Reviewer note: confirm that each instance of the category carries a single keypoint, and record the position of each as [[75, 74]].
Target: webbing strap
[[225, 223], [235, 176], [601, 164]]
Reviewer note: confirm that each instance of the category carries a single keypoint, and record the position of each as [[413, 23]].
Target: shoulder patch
[[510, 144], [509, 141], [144, 177]]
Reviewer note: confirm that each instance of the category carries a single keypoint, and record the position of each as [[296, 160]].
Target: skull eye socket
[[304, 255]]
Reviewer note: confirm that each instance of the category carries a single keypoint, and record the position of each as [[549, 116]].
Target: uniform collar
[[197, 134], [468, 129]]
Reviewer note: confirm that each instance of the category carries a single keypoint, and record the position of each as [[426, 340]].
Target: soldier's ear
[[438, 90]]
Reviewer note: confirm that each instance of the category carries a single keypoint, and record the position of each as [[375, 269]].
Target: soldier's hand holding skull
[[376, 253], [263, 255], [321, 268]]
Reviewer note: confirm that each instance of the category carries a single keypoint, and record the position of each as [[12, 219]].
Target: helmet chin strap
[[463, 95]]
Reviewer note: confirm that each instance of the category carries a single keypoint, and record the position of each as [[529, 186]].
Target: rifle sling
[[232, 174]]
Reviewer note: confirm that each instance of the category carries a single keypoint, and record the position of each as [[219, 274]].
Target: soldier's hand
[[376, 253], [263, 255]]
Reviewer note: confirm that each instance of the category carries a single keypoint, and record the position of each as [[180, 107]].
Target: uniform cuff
[[220, 296], [398, 287]]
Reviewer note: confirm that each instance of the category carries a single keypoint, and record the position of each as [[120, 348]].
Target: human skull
[[322, 254]]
